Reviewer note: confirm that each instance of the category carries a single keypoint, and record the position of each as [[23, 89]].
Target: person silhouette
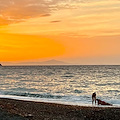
[[94, 97]]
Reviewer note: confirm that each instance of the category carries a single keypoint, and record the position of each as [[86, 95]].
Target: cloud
[[12, 11], [88, 17], [55, 21]]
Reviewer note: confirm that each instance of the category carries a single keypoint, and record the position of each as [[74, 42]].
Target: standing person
[[94, 97]]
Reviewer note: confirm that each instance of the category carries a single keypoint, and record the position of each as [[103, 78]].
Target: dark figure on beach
[[100, 102], [94, 97]]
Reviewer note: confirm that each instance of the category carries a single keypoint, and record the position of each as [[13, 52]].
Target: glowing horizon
[[80, 31]]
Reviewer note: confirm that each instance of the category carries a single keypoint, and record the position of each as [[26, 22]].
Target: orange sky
[[78, 32]]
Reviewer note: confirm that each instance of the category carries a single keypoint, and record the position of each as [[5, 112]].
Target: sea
[[64, 84]]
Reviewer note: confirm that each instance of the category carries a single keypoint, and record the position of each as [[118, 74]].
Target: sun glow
[[23, 47], [70, 29]]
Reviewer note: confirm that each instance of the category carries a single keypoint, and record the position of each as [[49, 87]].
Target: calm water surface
[[62, 84]]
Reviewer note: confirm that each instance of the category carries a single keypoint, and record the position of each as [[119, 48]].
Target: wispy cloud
[[88, 17], [12, 11], [55, 21]]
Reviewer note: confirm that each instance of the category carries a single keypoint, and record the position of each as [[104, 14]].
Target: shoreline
[[32, 110], [31, 99]]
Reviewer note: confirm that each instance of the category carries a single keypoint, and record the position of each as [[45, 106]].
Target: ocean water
[[61, 84]]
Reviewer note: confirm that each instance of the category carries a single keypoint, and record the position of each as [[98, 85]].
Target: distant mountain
[[53, 62], [0, 64], [49, 62]]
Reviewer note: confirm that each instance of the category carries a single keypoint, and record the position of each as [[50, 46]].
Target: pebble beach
[[12, 109]]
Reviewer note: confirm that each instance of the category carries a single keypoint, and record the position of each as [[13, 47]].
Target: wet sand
[[27, 110]]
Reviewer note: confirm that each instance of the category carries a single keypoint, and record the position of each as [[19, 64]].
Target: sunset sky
[[74, 31]]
